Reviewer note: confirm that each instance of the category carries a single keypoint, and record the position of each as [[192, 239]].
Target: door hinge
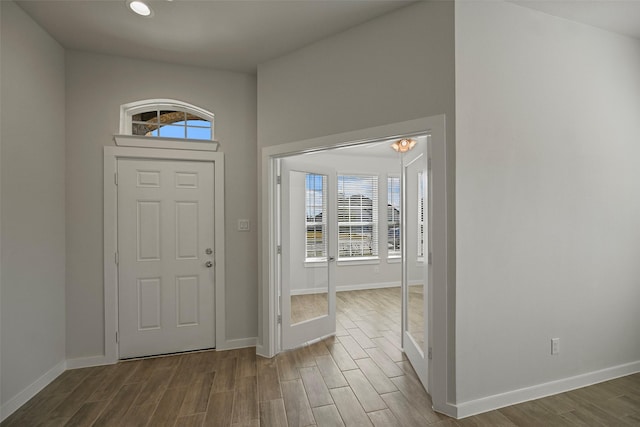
[[430, 258], [278, 179], [117, 337], [430, 354], [429, 164], [279, 319], [115, 178], [116, 258], [279, 250]]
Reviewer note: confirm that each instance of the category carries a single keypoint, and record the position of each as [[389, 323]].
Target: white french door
[[308, 247], [165, 251], [416, 260]]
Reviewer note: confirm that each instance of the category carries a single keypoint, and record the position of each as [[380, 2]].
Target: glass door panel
[[308, 292], [415, 257]]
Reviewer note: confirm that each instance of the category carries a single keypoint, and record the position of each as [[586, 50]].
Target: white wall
[[391, 69], [96, 87], [548, 213], [394, 68], [33, 203]]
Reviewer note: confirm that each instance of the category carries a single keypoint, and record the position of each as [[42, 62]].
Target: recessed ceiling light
[[139, 7]]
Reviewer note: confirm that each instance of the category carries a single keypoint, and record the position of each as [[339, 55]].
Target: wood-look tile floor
[[358, 378]]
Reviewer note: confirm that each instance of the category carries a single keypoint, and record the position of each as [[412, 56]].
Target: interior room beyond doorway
[[343, 233]]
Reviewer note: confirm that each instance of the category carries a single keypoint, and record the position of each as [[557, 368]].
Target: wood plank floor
[[358, 378]]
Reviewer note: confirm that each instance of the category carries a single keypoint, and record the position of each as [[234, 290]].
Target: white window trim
[[132, 108], [170, 143]]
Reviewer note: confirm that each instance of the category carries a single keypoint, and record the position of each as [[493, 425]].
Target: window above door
[[166, 123]]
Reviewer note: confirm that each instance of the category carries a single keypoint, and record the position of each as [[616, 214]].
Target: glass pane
[[309, 306], [168, 117], [198, 133], [149, 116], [172, 131], [143, 128], [174, 123], [417, 264], [199, 123], [195, 117], [315, 208], [310, 275], [416, 313]]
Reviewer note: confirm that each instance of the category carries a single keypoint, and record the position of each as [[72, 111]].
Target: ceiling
[[238, 35], [232, 35], [618, 16]]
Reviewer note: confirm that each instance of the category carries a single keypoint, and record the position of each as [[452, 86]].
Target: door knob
[[208, 264]]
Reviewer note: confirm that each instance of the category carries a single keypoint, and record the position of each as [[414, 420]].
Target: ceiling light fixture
[[139, 7], [403, 145]]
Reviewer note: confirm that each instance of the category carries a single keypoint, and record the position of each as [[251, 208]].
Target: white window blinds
[[357, 216]]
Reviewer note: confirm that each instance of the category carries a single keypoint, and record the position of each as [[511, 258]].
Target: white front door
[[166, 254], [308, 298]]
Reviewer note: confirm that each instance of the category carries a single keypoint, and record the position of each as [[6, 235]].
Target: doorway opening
[[349, 267], [349, 244]]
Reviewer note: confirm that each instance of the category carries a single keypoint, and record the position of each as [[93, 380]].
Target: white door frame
[[111, 156], [442, 329]]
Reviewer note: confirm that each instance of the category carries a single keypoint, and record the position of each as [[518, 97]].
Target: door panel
[[165, 226], [308, 305], [416, 268]]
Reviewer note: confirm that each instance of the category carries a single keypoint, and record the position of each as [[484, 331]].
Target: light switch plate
[[244, 225]]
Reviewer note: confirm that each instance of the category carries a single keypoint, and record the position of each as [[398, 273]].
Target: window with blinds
[[393, 216], [357, 216], [316, 213]]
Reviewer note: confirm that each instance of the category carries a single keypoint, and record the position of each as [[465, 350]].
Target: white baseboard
[[489, 403], [343, 288], [263, 351], [23, 397], [87, 362], [447, 409], [238, 343]]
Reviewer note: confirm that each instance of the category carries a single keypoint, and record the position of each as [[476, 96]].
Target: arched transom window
[[166, 118]]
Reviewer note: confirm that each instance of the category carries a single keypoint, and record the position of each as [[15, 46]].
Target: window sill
[[315, 263], [344, 262], [394, 259], [359, 261], [160, 142]]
